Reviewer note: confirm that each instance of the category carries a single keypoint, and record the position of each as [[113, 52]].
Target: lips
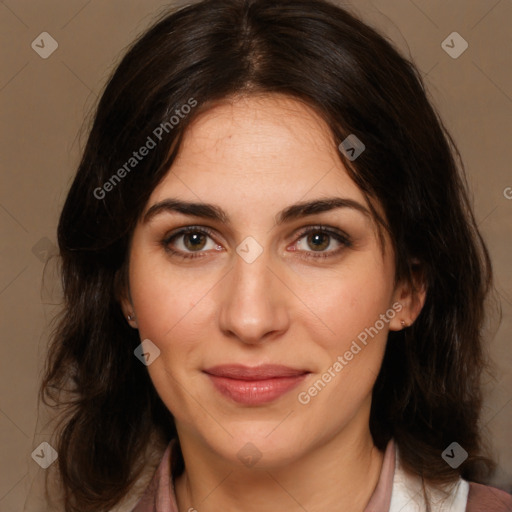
[[255, 385], [266, 371]]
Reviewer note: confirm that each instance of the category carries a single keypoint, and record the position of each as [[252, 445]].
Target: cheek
[[164, 299], [351, 354], [175, 309], [168, 308], [351, 301]]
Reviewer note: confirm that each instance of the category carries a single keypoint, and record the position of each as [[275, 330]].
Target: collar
[[395, 489]]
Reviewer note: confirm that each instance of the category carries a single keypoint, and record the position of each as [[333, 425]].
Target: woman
[[272, 275]]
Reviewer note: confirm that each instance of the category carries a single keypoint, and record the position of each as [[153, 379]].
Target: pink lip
[[255, 385]]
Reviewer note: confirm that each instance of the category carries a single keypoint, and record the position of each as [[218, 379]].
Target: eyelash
[[339, 236]]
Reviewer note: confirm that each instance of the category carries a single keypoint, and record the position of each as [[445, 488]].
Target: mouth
[[255, 385]]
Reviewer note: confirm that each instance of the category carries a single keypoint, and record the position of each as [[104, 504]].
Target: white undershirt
[[407, 494]]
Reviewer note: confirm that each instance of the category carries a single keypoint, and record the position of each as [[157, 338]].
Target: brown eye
[[190, 242], [194, 241], [318, 241]]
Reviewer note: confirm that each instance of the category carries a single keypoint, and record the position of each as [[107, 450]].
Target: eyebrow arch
[[292, 212]]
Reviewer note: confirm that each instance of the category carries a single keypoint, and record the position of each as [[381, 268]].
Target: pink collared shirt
[[160, 494]]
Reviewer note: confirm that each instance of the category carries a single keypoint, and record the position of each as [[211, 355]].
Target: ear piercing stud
[[130, 317], [403, 324]]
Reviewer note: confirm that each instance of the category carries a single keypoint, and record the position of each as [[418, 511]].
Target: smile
[[255, 386]]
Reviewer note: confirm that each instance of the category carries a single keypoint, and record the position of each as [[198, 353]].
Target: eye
[[315, 241], [187, 241]]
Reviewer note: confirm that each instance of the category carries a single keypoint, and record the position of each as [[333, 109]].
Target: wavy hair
[[428, 392]]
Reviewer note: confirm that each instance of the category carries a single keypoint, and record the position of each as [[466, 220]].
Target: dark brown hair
[[427, 394]]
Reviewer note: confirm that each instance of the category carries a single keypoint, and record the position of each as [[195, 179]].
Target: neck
[[337, 475]]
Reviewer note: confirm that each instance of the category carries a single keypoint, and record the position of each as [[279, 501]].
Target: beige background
[[43, 103]]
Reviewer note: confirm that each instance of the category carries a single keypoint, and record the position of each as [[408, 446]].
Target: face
[[271, 321]]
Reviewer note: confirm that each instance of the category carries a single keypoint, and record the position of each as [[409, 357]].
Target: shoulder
[[484, 498]]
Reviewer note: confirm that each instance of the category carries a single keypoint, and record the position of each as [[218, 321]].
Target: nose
[[253, 306]]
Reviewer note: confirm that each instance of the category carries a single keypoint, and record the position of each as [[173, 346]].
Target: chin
[[257, 444]]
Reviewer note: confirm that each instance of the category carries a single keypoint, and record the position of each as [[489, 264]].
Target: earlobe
[[132, 320], [122, 292], [128, 312], [411, 297]]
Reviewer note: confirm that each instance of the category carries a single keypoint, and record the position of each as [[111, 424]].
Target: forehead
[[257, 151]]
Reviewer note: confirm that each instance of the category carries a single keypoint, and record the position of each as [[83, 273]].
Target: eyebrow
[[292, 212]]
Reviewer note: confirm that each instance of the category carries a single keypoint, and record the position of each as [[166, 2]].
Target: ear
[[411, 297], [122, 292]]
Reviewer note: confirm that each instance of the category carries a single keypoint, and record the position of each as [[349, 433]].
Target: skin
[[254, 156]]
